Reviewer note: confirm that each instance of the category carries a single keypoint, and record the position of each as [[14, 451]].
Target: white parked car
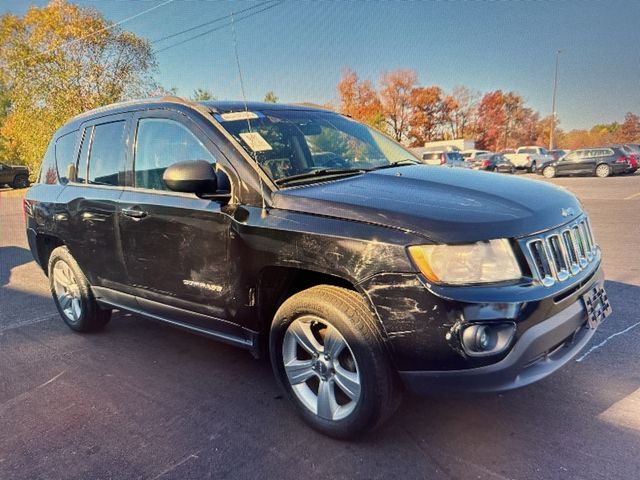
[[529, 158]]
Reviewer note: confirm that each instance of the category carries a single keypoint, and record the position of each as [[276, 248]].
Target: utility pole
[[553, 104]]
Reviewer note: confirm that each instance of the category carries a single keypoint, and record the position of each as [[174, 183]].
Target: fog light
[[487, 339]]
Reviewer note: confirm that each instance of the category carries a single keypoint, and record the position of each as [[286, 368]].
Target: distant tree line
[[415, 114]]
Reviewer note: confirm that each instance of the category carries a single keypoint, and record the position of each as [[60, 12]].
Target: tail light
[[485, 163], [25, 209], [621, 159], [443, 159]]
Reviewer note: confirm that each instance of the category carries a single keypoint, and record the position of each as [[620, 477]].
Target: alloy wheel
[[67, 291], [602, 171], [549, 172], [321, 368]]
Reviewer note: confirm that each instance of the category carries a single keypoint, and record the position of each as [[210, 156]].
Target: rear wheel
[[21, 181], [533, 167], [328, 358], [603, 170], [549, 172], [72, 294]]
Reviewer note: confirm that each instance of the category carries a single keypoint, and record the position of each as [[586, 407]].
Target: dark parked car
[[632, 150], [493, 163], [303, 235], [16, 176], [599, 161]]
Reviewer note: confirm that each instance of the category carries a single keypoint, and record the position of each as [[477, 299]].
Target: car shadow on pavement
[[11, 257]]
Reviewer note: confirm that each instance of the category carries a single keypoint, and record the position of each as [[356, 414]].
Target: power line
[[207, 32], [216, 20], [84, 37]]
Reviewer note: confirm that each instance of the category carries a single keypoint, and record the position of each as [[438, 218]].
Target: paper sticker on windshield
[[255, 141], [233, 116]]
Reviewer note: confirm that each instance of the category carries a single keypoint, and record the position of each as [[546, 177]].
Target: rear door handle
[[134, 212]]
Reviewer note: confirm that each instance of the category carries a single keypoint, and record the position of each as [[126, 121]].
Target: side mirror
[[191, 176]]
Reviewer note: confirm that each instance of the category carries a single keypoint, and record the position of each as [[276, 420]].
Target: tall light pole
[[553, 104]]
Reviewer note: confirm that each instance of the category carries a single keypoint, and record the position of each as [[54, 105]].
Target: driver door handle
[[134, 212]]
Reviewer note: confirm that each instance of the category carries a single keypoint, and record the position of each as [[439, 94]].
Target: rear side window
[[65, 158], [48, 170], [159, 144], [106, 158]]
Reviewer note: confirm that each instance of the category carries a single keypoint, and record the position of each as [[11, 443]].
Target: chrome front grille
[[558, 254]]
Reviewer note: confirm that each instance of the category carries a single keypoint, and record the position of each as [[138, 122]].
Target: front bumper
[[540, 351]]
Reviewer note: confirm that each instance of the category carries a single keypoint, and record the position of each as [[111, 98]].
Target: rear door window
[[106, 158]]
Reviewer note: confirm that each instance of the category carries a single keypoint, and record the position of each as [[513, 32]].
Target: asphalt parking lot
[[144, 400]]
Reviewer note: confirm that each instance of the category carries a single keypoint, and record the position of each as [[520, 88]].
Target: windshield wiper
[[323, 172], [397, 163]]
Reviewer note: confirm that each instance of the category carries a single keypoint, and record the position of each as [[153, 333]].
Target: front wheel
[[72, 294], [329, 359], [549, 172], [533, 167], [21, 181], [603, 170]]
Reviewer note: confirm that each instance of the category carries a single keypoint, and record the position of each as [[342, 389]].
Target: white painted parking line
[[630, 197], [603, 343]]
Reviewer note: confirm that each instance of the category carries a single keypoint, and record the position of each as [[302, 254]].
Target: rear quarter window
[[65, 156], [48, 170]]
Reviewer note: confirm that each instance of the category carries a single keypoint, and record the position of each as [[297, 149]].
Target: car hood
[[443, 204]]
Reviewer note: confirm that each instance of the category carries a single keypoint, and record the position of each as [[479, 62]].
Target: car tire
[[549, 172], [72, 294], [603, 170], [20, 181], [352, 389], [532, 169]]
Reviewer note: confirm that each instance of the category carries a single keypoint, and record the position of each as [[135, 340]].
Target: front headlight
[[482, 262]]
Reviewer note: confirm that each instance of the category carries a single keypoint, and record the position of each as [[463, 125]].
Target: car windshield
[[303, 145]]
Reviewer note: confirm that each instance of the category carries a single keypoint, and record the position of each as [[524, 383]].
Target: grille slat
[[559, 254]]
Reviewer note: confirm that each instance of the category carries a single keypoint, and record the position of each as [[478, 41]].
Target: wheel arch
[[44, 245]]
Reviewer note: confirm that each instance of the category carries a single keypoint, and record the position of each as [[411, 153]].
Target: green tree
[[271, 97], [201, 95], [58, 61]]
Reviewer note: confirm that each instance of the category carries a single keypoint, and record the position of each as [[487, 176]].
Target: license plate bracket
[[597, 304]]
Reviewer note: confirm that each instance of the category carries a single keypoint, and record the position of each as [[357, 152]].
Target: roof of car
[[181, 103]]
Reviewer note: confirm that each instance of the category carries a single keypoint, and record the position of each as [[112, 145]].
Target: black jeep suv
[[301, 233]]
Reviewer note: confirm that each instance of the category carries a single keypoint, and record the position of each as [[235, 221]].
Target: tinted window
[[106, 159], [161, 143], [65, 158], [48, 170]]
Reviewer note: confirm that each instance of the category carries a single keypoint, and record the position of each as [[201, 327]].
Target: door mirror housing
[[191, 176]]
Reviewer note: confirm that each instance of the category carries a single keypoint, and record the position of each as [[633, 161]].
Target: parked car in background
[[529, 157], [508, 151], [493, 163], [449, 159], [558, 153], [599, 161], [632, 150], [471, 154], [16, 176]]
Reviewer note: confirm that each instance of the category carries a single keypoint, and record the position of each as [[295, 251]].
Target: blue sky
[[298, 49]]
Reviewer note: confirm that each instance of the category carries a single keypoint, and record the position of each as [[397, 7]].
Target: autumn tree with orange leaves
[[396, 88], [428, 115], [359, 99]]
